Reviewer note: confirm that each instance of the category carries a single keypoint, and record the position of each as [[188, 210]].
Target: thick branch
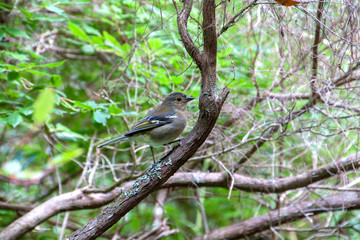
[[156, 175], [210, 44], [210, 107], [78, 200], [340, 202], [264, 185], [65, 202]]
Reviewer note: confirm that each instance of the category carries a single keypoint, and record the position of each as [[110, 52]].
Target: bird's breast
[[169, 132]]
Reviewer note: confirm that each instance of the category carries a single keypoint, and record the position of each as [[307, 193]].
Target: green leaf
[[15, 32], [177, 80], [91, 30], [56, 10], [100, 117], [90, 105], [78, 32], [88, 49], [14, 119], [36, 72], [5, 7], [11, 67], [66, 157], [52, 65], [46, 18], [15, 56], [55, 80], [112, 40], [13, 75], [155, 43], [26, 12], [65, 133], [44, 105], [95, 40], [26, 65], [114, 110], [26, 111]]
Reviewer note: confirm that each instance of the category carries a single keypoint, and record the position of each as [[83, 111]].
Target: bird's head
[[177, 100]]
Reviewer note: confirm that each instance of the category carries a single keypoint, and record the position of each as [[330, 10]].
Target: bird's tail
[[112, 141]]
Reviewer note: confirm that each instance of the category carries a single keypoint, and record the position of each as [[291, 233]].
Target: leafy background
[[73, 73]]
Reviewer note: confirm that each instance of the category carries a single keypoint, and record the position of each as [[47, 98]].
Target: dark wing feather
[[150, 122]]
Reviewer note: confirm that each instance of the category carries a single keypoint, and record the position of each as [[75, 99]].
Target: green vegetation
[[74, 73]]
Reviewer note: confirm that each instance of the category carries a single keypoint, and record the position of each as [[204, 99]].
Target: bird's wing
[[151, 122]]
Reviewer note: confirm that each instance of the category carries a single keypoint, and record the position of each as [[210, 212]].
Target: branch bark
[[339, 202], [66, 202], [264, 185], [315, 48], [78, 200], [210, 106]]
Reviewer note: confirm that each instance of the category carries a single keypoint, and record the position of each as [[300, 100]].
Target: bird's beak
[[188, 99]]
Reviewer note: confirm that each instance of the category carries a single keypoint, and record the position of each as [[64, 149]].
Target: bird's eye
[[179, 99]]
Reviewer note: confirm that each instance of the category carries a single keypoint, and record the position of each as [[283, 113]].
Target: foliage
[[74, 73]]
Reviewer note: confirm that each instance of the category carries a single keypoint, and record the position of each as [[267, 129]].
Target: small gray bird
[[161, 126]]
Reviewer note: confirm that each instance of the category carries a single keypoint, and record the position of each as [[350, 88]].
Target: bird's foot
[[176, 140]]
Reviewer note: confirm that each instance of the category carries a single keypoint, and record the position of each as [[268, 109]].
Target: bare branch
[[250, 184], [339, 202], [315, 48], [237, 17], [65, 202], [182, 20]]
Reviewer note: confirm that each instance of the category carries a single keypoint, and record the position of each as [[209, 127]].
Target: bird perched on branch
[[161, 126]]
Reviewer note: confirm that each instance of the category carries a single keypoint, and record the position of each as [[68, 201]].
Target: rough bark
[[79, 200], [340, 202], [210, 106], [66, 202], [250, 184]]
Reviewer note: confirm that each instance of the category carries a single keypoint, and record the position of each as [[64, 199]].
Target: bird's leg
[[176, 140], [152, 152]]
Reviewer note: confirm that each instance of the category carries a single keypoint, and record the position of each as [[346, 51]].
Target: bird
[[161, 126]]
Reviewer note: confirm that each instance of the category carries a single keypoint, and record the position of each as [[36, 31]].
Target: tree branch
[[210, 106], [78, 200], [66, 202], [250, 184], [315, 48], [237, 17], [182, 20], [339, 202]]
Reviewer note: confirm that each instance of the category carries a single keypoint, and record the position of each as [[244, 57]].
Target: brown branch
[[210, 107], [66, 202], [286, 96], [210, 47], [79, 200], [339, 202], [250, 184], [156, 175], [315, 48], [182, 20], [343, 106], [10, 206]]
